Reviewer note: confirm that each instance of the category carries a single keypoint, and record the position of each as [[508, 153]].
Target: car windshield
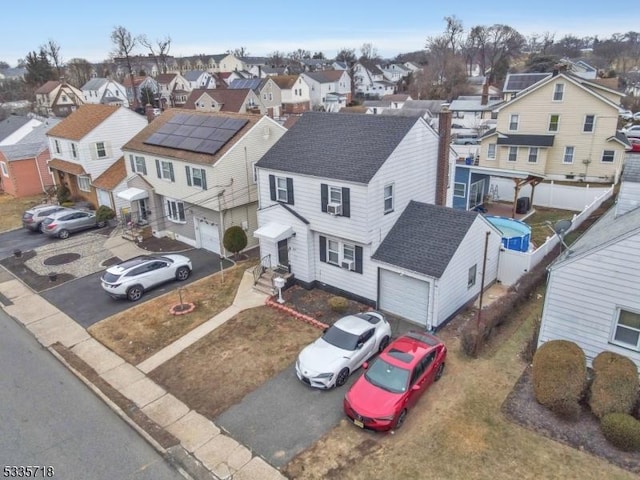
[[388, 377], [340, 338]]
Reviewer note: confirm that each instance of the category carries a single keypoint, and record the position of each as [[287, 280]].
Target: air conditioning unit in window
[[334, 209], [348, 264]]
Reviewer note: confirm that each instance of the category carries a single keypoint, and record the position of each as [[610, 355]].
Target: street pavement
[[21, 239]]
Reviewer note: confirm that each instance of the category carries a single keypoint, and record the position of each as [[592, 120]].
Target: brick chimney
[[484, 99], [444, 145], [148, 111]]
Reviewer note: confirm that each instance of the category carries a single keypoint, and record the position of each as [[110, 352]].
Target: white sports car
[[342, 349]]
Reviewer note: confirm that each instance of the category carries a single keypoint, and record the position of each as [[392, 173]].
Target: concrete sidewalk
[[221, 455]]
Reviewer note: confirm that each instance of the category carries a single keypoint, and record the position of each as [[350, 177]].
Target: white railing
[[513, 264]]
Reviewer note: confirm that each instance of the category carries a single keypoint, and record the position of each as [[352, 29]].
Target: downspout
[[221, 214], [40, 175]]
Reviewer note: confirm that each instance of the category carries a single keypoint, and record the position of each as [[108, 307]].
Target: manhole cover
[[62, 259]]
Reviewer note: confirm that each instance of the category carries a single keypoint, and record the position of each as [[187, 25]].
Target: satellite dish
[[562, 226]]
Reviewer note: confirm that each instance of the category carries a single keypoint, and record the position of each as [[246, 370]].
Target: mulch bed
[[16, 265], [164, 244], [521, 407]]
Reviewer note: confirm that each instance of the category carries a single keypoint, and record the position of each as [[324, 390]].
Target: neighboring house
[[174, 89], [109, 184], [271, 97], [251, 83], [16, 73], [427, 109], [515, 83], [15, 127], [473, 111], [268, 71], [430, 263], [295, 94], [23, 164], [395, 72], [87, 143], [106, 92], [396, 100], [191, 174], [57, 99], [225, 100], [333, 187], [370, 82], [329, 90], [139, 84], [592, 289], [198, 79], [563, 127]]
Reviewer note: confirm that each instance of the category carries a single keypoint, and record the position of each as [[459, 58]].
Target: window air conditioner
[[348, 264], [334, 209]]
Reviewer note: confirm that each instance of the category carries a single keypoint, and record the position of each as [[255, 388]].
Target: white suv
[[632, 131], [131, 278]]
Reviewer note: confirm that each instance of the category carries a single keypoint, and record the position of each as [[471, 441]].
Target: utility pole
[[484, 267]]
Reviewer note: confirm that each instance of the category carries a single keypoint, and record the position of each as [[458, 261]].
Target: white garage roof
[[131, 194], [274, 232]]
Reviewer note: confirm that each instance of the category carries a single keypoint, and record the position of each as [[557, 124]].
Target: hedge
[[622, 431], [615, 384], [559, 377]]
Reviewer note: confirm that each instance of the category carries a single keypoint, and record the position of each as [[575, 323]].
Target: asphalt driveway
[[284, 416], [21, 239], [84, 300]]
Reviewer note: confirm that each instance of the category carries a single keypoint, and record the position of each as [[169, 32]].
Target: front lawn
[[12, 209], [540, 230]]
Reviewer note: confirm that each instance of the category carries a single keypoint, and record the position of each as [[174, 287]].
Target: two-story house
[[270, 96], [174, 89], [295, 94], [370, 82], [87, 143], [191, 174], [563, 127], [333, 188], [238, 100], [329, 89], [105, 91], [136, 87], [57, 99]]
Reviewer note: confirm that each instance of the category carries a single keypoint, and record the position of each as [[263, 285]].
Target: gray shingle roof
[[192, 75], [631, 172], [526, 140], [94, 84], [11, 124], [346, 146], [425, 238], [32, 144]]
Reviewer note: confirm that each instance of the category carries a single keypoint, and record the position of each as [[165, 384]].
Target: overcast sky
[[83, 28]]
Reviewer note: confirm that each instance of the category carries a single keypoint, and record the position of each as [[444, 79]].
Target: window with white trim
[[197, 177], [138, 164], [533, 154], [554, 122], [514, 120], [101, 150], [513, 154], [459, 189], [349, 252], [84, 183], [56, 145], [3, 167], [608, 156], [74, 150], [281, 189], [589, 123], [388, 198], [558, 92], [491, 151], [166, 170], [175, 210], [335, 195], [568, 155], [255, 172], [626, 330], [471, 277], [333, 252]]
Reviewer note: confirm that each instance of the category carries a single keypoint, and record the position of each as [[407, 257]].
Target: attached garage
[[405, 296], [209, 237]]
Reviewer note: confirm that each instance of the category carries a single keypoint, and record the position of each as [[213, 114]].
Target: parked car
[[131, 278], [462, 139], [632, 131], [393, 383], [635, 145], [636, 117], [625, 114], [61, 224], [342, 349], [32, 218]]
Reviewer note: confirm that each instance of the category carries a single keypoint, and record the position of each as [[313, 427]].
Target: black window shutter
[[272, 187], [173, 179], [144, 166], [290, 191], [346, 202], [158, 171], [324, 196], [133, 165], [187, 169], [359, 259], [204, 179], [323, 249]]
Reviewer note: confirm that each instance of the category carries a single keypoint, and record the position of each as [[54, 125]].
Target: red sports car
[[393, 383]]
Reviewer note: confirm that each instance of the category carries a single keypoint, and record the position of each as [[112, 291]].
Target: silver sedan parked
[[62, 224]]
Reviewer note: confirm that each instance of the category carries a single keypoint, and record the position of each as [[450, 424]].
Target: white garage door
[[209, 238], [405, 296]]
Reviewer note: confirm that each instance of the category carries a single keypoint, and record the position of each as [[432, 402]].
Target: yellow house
[[563, 127]]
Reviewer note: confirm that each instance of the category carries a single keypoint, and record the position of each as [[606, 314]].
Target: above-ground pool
[[515, 234]]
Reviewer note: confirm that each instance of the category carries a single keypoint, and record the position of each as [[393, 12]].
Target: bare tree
[[346, 55], [298, 55], [368, 52], [159, 51], [276, 58], [240, 52], [124, 45], [453, 33], [52, 49], [78, 72]]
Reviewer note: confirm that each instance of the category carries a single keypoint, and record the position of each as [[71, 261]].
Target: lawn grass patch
[[12, 209]]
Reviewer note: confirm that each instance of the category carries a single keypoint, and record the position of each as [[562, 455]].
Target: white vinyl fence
[[551, 194], [512, 264]]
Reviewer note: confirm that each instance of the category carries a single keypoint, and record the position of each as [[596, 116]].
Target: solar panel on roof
[[155, 139], [172, 141], [210, 146], [195, 120], [181, 118], [190, 144], [184, 130], [166, 128], [201, 132], [213, 122]]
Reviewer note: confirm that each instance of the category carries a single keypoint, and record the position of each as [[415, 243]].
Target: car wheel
[[40, 228], [63, 234], [101, 224], [400, 419], [383, 343], [342, 377], [182, 273], [134, 293], [440, 371]]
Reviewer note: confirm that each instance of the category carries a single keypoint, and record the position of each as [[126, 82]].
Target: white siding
[[583, 295], [405, 295], [452, 289]]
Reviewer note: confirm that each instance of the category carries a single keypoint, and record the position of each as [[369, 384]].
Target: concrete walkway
[[221, 455]]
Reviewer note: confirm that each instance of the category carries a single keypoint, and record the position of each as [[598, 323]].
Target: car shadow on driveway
[[284, 416]]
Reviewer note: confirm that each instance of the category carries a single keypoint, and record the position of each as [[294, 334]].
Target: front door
[[142, 209], [283, 253]]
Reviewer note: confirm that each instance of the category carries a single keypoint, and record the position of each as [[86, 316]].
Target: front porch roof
[[67, 167], [131, 194], [526, 140], [274, 232]]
